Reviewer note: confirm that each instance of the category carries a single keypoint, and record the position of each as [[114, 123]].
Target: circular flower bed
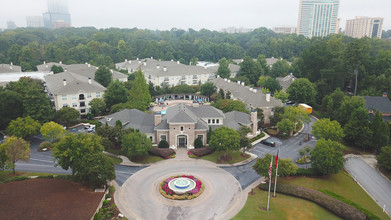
[[165, 190]]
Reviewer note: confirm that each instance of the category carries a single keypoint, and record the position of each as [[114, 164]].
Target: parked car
[[268, 142]]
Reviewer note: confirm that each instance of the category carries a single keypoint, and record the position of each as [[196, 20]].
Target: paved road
[[288, 148], [373, 182], [139, 197], [245, 174]]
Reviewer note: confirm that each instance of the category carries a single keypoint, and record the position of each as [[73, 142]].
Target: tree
[[281, 95], [286, 126], [97, 106], [280, 68], [331, 103], [224, 139], [244, 140], [198, 143], [302, 91], [56, 69], [261, 59], [103, 76], [384, 158], [95, 169], [67, 116], [296, 114], [15, 149], [227, 105], [163, 144], [73, 148], [347, 107], [223, 71], [139, 96], [207, 89], [272, 84], [328, 130], [193, 61], [250, 69], [357, 131], [52, 131], [23, 127], [116, 93], [10, 100], [327, 157], [136, 144], [380, 131], [286, 167]]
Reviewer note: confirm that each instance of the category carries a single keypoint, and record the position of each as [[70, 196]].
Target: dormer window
[[181, 128]]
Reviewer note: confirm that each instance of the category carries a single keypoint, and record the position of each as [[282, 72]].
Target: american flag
[[277, 157], [270, 170]]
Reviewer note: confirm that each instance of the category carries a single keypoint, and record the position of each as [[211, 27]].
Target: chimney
[[151, 58], [89, 80], [11, 67], [65, 70], [145, 63], [126, 60], [129, 61], [86, 63], [255, 90], [218, 76], [385, 94], [195, 104], [157, 118], [111, 71], [89, 65], [64, 82], [205, 67], [177, 62], [242, 83], [254, 121], [268, 97], [44, 62], [157, 66], [229, 80], [225, 79], [165, 69], [60, 62], [46, 66], [12, 64], [239, 82], [137, 59]]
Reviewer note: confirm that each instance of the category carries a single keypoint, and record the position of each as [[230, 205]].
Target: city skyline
[[165, 15]]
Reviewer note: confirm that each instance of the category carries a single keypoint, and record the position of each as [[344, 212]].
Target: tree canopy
[[223, 71], [24, 127], [327, 157], [225, 139], [67, 116], [227, 105], [116, 93], [328, 130], [52, 131], [98, 106], [384, 158], [135, 144], [139, 96], [286, 167], [103, 76], [13, 150], [207, 89], [302, 91]]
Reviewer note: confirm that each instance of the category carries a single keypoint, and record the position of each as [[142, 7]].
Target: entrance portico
[[182, 140]]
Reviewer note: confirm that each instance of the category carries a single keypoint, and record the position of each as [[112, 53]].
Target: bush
[[199, 152], [337, 207], [198, 143], [307, 172], [162, 152], [163, 144], [261, 135], [46, 145]]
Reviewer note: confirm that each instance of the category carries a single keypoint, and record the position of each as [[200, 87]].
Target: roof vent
[[64, 82]]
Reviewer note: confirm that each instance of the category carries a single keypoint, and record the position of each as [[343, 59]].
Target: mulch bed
[[47, 199]]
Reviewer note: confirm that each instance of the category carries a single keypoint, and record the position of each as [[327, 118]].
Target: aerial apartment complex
[[318, 18], [364, 27]]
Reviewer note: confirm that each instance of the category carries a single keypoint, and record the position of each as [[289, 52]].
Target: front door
[[182, 141]]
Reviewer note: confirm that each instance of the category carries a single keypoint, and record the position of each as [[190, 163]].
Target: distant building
[[318, 18], [379, 103], [11, 25], [232, 30], [57, 16], [364, 27], [34, 21], [284, 30]]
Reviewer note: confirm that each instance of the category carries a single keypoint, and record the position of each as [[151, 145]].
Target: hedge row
[[199, 152], [337, 207], [162, 152], [367, 213]]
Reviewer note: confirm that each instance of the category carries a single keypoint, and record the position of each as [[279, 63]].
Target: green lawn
[[342, 184], [116, 160], [236, 157], [8, 176], [281, 207]]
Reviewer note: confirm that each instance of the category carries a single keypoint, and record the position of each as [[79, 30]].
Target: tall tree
[[286, 126], [24, 127], [250, 69], [98, 106], [331, 103], [261, 59], [347, 107], [357, 130], [67, 116], [223, 71], [302, 91], [207, 89], [56, 69], [136, 144], [280, 68], [384, 158], [227, 105], [327, 157], [116, 93], [139, 96], [52, 131], [286, 167], [103, 76], [15, 149], [328, 130], [271, 84], [380, 131], [10, 100], [225, 139]]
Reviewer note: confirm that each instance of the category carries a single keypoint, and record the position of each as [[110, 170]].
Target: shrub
[[163, 144], [46, 145], [198, 143], [162, 152], [261, 135], [106, 202], [199, 152], [339, 208]]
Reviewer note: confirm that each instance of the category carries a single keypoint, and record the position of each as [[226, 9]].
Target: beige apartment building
[[364, 27]]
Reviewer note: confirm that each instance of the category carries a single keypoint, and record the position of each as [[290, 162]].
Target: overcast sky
[[184, 14]]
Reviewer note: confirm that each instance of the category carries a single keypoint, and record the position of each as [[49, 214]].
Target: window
[[88, 95], [195, 82], [64, 105], [150, 137], [74, 105], [163, 138], [217, 121], [181, 128], [98, 95], [73, 96], [64, 97], [201, 137], [208, 121], [213, 121], [82, 111]]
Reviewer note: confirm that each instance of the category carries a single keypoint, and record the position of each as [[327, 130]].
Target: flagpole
[[270, 181], [275, 181]]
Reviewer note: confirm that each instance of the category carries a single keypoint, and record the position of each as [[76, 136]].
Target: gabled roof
[[74, 84], [180, 114], [255, 99], [286, 81], [7, 68], [236, 119], [131, 118], [378, 103]]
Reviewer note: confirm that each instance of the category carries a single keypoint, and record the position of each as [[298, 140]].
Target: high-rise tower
[[58, 15], [364, 26], [318, 18]]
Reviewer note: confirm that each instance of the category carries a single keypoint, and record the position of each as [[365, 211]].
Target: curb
[[249, 160]]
